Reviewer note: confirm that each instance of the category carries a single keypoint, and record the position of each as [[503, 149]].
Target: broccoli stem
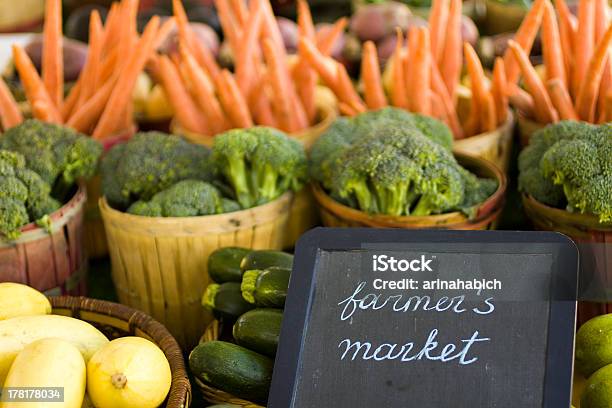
[[239, 180], [423, 207], [268, 185], [365, 198]]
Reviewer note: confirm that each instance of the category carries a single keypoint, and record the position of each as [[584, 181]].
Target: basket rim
[[179, 395], [588, 220], [504, 128], [485, 208]]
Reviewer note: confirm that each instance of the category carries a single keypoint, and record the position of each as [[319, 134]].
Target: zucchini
[[224, 264], [232, 368], [265, 259], [225, 300], [267, 288], [259, 330]]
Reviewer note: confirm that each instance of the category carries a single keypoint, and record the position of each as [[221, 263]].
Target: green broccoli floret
[[24, 196], [58, 154], [187, 198], [259, 163], [149, 163], [230, 205], [383, 163], [570, 164]]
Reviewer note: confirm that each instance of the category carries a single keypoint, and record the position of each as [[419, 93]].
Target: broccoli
[[381, 162], [24, 196], [569, 165], [187, 198], [58, 154], [259, 163], [149, 163]]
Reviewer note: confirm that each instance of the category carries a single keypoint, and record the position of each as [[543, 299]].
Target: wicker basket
[[335, 214], [527, 127], [582, 228], [159, 265], [116, 320], [215, 395], [53, 263]]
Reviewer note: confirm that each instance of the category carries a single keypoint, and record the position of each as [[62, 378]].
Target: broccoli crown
[[24, 195], [58, 154], [187, 198], [381, 162], [149, 163], [259, 163], [569, 165]]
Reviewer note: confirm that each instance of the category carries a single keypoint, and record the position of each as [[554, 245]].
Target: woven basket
[[527, 127], [159, 265], [53, 263], [214, 395], [115, 320], [582, 228], [335, 214]]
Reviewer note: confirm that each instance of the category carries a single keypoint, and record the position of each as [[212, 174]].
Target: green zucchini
[[265, 259], [259, 330], [232, 368], [266, 288], [224, 264], [225, 300]]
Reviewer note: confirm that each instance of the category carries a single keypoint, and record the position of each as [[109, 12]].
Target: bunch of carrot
[[264, 89], [100, 102], [577, 83]]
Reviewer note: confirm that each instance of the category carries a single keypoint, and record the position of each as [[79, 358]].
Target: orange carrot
[[90, 72], [438, 19], [71, 100], [551, 44], [419, 100], [439, 87], [231, 29], [452, 60], [204, 94], [567, 30], [410, 57], [270, 27], [53, 52], [587, 96], [108, 67], [561, 99], [10, 115], [347, 93], [240, 11], [246, 52], [370, 74], [524, 38], [122, 92], [602, 19], [281, 101], [306, 82], [522, 101], [260, 105], [608, 110], [43, 111], [327, 42], [399, 95], [233, 102], [167, 27], [584, 43], [325, 66], [604, 88], [499, 92], [347, 110], [489, 122], [86, 115], [32, 83], [304, 17], [127, 29], [111, 29], [479, 87], [544, 110]]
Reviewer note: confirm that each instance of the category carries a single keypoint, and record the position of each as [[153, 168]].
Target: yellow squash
[[18, 332], [21, 300], [49, 363], [129, 372]]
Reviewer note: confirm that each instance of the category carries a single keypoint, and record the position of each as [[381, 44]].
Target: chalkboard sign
[[428, 319]]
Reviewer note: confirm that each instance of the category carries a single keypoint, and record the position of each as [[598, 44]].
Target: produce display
[[254, 310]]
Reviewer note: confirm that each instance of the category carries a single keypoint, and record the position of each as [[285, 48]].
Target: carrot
[[608, 110], [544, 110], [281, 102], [10, 115], [122, 92], [602, 19], [421, 82], [606, 85], [90, 73], [347, 93], [551, 44], [32, 83], [479, 88], [305, 24], [524, 38], [167, 27], [43, 111], [587, 96], [522, 101], [438, 86], [270, 27], [399, 95], [260, 105], [71, 100], [240, 11], [53, 52], [561, 99], [438, 19], [108, 66], [325, 66], [304, 77], [451, 64], [499, 92], [231, 30], [246, 52], [110, 30], [585, 40], [327, 42], [86, 115], [370, 74], [127, 28], [489, 121], [567, 31], [409, 58], [347, 110], [233, 102]]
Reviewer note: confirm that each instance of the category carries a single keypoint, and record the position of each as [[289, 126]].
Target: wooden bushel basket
[[210, 393], [335, 214], [115, 320], [582, 228], [54, 263], [159, 265]]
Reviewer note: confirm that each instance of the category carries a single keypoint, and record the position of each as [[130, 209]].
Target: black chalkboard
[[428, 319]]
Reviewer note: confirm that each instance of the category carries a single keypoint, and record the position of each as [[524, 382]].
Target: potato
[[204, 33], [289, 32], [75, 55], [376, 21], [469, 31]]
